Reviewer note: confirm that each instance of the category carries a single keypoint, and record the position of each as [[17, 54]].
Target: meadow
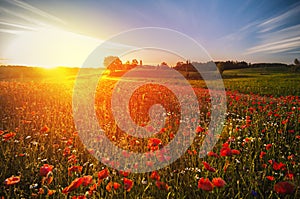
[[257, 154]]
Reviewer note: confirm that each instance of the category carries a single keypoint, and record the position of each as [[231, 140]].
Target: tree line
[[113, 63]]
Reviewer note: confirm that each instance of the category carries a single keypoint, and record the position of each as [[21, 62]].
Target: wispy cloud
[[278, 34], [13, 25], [35, 10], [277, 21], [275, 47], [19, 16]]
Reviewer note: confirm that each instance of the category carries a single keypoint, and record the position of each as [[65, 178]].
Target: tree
[[296, 65], [112, 63], [221, 67], [134, 62]]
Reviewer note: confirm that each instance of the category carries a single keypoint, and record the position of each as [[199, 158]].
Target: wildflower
[[149, 163], [79, 197], [225, 151], [74, 185], [235, 152], [212, 154], [218, 182], [12, 180], [284, 187], [8, 136], [45, 129], [289, 175], [254, 193], [67, 151], [45, 169], [128, 184], [155, 176], [48, 179], [162, 185], [1, 132], [278, 166], [102, 174], [113, 185], [124, 173], [77, 169], [205, 184], [268, 146], [92, 189], [271, 178], [45, 191], [153, 144], [262, 154], [208, 167], [72, 159], [199, 129]]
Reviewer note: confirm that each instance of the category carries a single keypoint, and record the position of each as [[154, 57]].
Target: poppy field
[[256, 156]]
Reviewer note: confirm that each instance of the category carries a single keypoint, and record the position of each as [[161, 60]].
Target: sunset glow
[[49, 46]]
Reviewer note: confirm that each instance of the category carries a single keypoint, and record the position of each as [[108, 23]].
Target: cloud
[[278, 34], [279, 20], [18, 16], [35, 10], [275, 47]]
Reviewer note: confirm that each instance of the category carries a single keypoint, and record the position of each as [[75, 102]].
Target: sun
[[50, 47]]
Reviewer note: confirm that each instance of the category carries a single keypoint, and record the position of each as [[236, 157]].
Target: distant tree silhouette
[[134, 62], [112, 63], [296, 65], [221, 67]]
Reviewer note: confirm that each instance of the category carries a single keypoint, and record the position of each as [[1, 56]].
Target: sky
[[65, 32]]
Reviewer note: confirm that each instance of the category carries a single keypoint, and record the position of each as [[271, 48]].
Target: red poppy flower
[[113, 185], [12, 180], [278, 166], [72, 159], [153, 143], [271, 178], [78, 197], [149, 163], [284, 187], [155, 176], [208, 167], [235, 152], [45, 169], [289, 175], [124, 173], [225, 151], [77, 169], [212, 154], [218, 182], [268, 146], [262, 154], [205, 184], [46, 191], [199, 129], [92, 189], [103, 174], [162, 185], [74, 185], [86, 180], [45, 129], [67, 151], [9, 136], [128, 184]]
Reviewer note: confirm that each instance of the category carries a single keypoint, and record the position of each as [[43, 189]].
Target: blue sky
[[250, 30]]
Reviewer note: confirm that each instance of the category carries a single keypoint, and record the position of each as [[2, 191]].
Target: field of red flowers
[[257, 154]]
